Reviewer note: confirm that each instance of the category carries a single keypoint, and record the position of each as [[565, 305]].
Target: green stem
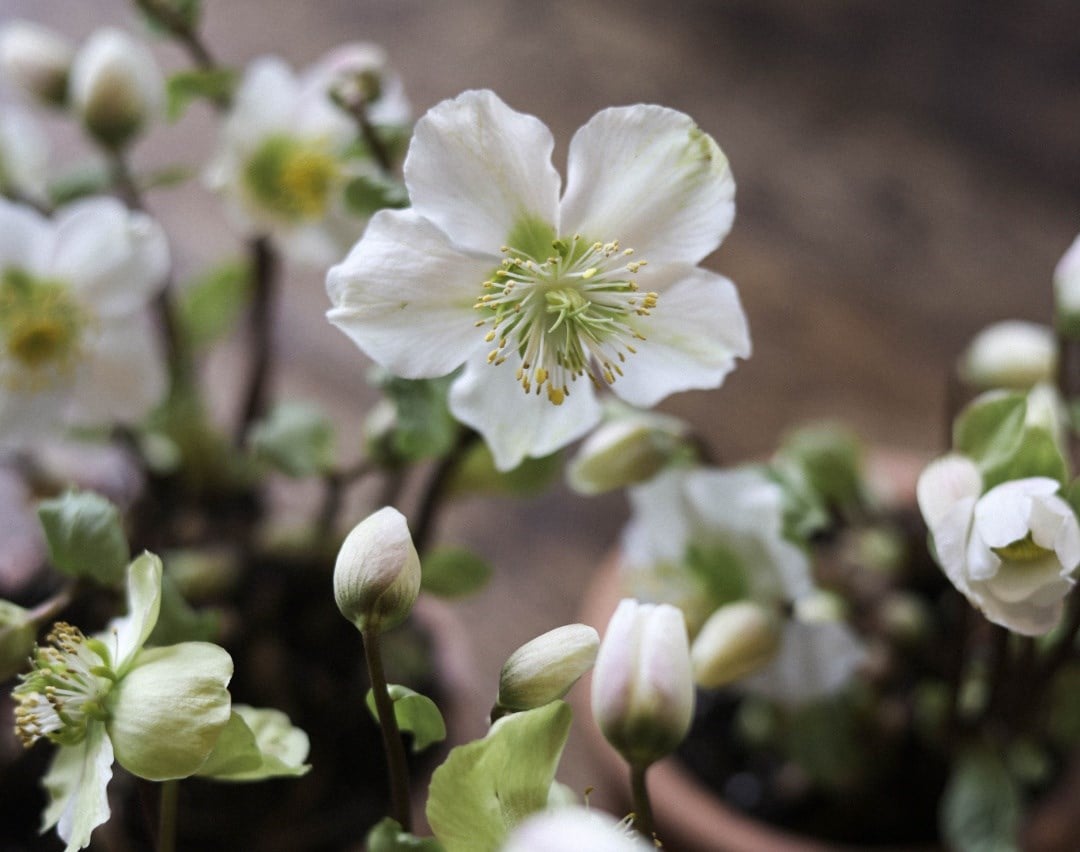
[[170, 792], [643, 818], [179, 28], [392, 742]]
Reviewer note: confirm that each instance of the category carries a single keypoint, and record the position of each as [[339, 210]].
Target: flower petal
[[944, 483], [170, 708], [405, 296], [1029, 618], [692, 336], [650, 178], [76, 783], [815, 660], [477, 168], [114, 259], [26, 238], [25, 417], [123, 376], [1003, 514], [144, 603], [659, 527], [516, 424]]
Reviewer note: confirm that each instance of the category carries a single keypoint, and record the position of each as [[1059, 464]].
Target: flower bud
[[116, 87], [738, 639], [36, 61], [544, 669], [1011, 354], [1067, 291], [623, 451], [642, 691], [377, 575], [18, 633]]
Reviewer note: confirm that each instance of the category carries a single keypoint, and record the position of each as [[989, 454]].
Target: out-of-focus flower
[[1012, 551], [736, 640], [24, 155], [1067, 291], [574, 829], [541, 298], [545, 668], [377, 575], [157, 711], [288, 154], [116, 87], [75, 341], [1012, 354], [35, 61], [642, 688]]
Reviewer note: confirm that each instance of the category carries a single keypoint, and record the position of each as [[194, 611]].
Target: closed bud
[[1067, 291], [544, 669], [642, 690], [1012, 354], [18, 633], [737, 640], [36, 61], [377, 575], [116, 87]]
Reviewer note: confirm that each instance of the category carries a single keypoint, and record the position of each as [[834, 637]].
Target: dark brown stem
[[179, 28], [436, 486], [334, 485], [643, 817], [396, 766], [356, 107], [264, 264]]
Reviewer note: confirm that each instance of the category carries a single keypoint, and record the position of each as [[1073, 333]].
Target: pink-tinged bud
[[377, 575], [544, 669], [116, 87], [36, 61], [643, 691]]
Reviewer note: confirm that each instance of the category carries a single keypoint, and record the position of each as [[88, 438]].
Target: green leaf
[[79, 183], [831, 459], [257, 744], [297, 439], [415, 714], [476, 474], [388, 836], [452, 572], [366, 194], [188, 11], [1037, 454], [487, 787], [184, 87], [209, 306], [85, 536], [424, 426], [980, 809]]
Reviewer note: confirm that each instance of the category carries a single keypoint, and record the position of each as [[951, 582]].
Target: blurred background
[[907, 173]]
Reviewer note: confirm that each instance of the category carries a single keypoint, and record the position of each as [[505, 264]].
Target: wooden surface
[[907, 173]]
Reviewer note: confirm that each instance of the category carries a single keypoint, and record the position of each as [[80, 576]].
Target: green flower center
[[41, 329], [567, 308], [65, 689], [720, 571], [291, 178], [1023, 550]]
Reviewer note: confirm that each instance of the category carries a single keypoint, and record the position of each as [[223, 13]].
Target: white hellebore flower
[[575, 829], [541, 298], [75, 341], [24, 155], [284, 158], [157, 711], [1012, 551]]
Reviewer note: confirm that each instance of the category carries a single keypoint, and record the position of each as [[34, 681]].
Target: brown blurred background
[[907, 173]]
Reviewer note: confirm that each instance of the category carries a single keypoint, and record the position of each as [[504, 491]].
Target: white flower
[[574, 829], [1010, 354], [157, 711], [542, 298], [75, 343], [284, 158], [1067, 289], [705, 539], [24, 154], [116, 87], [35, 61], [1011, 551]]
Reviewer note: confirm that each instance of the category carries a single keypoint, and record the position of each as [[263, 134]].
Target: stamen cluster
[[41, 327]]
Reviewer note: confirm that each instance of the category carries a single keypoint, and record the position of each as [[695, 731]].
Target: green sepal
[[416, 714], [296, 439], [18, 632], [452, 572], [424, 427], [209, 305], [179, 621], [476, 474], [185, 87], [257, 744], [388, 836], [981, 808], [85, 536], [366, 194], [488, 786], [831, 459]]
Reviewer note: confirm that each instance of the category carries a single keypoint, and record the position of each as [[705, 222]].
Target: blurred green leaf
[[85, 536], [79, 183], [476, 474], [209, 306], [980, 809], [424, 427], [185, 87], [452, 572], [365, 195], [296, 439]]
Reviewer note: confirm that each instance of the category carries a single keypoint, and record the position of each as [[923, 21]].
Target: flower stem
[[392, 742], [181, 30], [264, 270], [435, 488], [643, 818], [170, 791]]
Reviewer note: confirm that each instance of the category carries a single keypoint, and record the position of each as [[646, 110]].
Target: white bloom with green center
[[545, 299], [157, 711], [76, 343], [1012, 552], [704, 540], [283, 161]]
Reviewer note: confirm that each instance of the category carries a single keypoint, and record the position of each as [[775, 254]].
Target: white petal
[[692, 336], [24, 154], [114, 259], [76, 783], [815, 660], [25, 418], [650, 178], [1020, 581], [659, 527], [951, 542], [405, 296], [26, 238], [943, 483], [476, 168], [144, 603], [1026, 617], [982, 562], [1003, 514], [516, 424], [124, 375], [264, 103]]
